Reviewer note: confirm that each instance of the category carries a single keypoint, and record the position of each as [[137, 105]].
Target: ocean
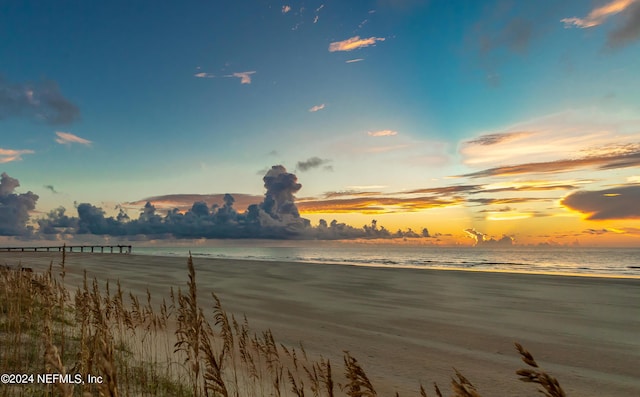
[[614, 262]]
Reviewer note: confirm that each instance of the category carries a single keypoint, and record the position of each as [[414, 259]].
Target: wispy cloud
[[354, 60], [375, 205], [353, 43], [245, 77], [317, 107], [40, 101], [9, 155], [631, 159], [286, 9], [599, 15], [67, 138], [51, 188], [573, 135], [313, 162], [382, 133], [203, 75]]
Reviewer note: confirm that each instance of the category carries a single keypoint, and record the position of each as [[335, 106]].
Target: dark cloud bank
[[276, 217]]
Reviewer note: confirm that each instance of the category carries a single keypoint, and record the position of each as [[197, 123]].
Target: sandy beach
[[411, 326]]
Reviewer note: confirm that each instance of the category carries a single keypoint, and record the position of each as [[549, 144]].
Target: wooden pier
[[119, 249]]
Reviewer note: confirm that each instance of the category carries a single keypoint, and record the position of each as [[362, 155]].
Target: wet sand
[[411, 326]]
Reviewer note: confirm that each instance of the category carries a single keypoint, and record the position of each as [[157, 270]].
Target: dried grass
[[129, 344]]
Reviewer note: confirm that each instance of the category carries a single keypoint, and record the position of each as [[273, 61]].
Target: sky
[[482, 121]]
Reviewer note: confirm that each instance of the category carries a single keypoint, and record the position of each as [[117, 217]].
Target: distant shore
[[409, 326]]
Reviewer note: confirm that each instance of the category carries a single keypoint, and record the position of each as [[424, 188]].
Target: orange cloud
[[375, 205], [353, 43], [604, 162], [245, 77], [597, 16], [9, 155], [382, 133], [67, 138]]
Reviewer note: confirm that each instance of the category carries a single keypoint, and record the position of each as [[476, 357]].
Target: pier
[[119, 249]]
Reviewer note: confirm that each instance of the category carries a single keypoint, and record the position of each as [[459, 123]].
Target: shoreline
[[410, 326], [415, 267]]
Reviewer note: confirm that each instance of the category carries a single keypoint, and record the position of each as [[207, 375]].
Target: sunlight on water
[[579, 261]]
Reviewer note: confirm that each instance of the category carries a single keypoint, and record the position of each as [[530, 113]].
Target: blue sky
[[156, 98]]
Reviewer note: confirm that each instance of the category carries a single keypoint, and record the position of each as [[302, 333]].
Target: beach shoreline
[[409, 326]]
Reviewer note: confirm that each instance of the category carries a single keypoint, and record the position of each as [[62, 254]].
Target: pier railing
[[119, 249]]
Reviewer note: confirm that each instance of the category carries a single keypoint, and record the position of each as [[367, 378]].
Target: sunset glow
[[466, 120]]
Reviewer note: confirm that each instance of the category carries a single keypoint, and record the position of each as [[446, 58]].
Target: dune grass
[[176, 349]]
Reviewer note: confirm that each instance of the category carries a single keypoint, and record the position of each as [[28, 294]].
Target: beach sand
[[411, 326]]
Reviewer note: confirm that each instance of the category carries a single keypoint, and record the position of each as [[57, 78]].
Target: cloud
[[599, 15], [350, 193], [39, 101], [354, 60], [482, 239], [203, 75], [286, 9], [499, 201], [67, 138], [446, 190], [313, 162], [353, 43], [382, 133], [492, 139], [628, 31], [183, 202], [376, 205], [317, 107], [616, 203], [9, 155], [572, 139], [14, 208], [245, 77], [51, 188], [603, 162]]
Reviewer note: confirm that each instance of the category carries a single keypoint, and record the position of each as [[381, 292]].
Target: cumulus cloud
[[183, 202], [41, 101], [286, 9], [599, 15], [482, 239], [245, 77], [67, 138], [616, 203], [317, 107], [275, 215], [353, 43], [14, 207], [382, 133], [9, 155], [313, 162]]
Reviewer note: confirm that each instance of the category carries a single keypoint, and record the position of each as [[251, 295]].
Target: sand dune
[[409, 326]]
